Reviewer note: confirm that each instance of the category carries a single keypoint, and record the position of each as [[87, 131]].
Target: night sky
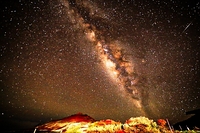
[[109, 59]]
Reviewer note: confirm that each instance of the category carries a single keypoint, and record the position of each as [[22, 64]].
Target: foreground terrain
[[82, 123]]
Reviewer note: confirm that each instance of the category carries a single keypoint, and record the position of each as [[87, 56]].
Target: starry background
[[49, 69]]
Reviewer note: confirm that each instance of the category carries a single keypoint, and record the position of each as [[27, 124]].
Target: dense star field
[[109, 59]]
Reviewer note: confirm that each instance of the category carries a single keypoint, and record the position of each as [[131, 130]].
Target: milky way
[[108, 59], [112, 56]]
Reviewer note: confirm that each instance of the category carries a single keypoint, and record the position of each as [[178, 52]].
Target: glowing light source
[[110, 64], [91, 36]]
